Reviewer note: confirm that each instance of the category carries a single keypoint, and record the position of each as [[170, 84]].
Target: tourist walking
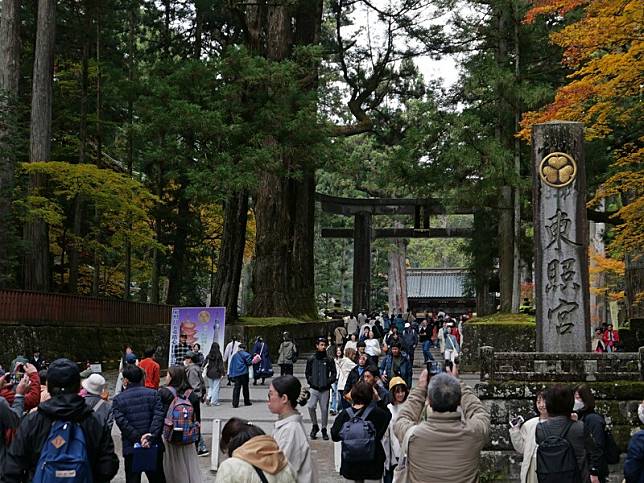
[[320, 375], [560, 400], [409, 341], [284, 395], [352, 343], [254, 457], [343, 368], [138, 413], [523, 437], [151, 368], [452, 347], [456, 437], [214, 368], [363, 458], [354, 376], [399, 391], [127, 351], [396, 363], [238, 372], [351, 325], [594, 423], [340, 334], [262, 365], [372, 347], [180, 462], [231, 349], [198, 386], [36, 442], [287, 355], [334, 387]]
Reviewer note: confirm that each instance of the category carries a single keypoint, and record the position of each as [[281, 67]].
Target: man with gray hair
[[445, 447]]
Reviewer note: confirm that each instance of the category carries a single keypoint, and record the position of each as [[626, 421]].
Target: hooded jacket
[[261, 452], [286, 352], [291, 437], [23, 455]]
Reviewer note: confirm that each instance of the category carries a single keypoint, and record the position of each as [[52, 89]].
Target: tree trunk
[[285, 208], [634, 282], [397, 279], [74, 257], [36, 267], [177, 260], [506, 249], [231, 256], [516, 189], [9, 80]]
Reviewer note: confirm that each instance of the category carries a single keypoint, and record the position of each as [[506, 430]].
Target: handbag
[[144, 459], [257, 359], [401, 473]]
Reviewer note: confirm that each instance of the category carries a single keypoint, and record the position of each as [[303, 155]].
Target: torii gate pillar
[[362, 234]]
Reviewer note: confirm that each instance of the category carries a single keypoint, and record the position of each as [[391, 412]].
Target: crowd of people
[[55, 418]]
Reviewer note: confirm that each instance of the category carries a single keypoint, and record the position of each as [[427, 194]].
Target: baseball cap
[[63, 374], [131, 358], [395, 381]]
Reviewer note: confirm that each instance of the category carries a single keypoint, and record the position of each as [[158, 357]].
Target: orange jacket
[[152, 372]]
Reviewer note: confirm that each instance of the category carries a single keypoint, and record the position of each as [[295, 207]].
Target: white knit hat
[[94, 384]]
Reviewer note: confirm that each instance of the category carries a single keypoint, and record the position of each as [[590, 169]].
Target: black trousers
[[241, 383], [286, 369], [153, 477]]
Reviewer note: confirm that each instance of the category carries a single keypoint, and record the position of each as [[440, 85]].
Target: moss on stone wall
[[504, 332]]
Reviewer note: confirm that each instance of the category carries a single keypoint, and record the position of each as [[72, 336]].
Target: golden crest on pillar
[[558, 170]]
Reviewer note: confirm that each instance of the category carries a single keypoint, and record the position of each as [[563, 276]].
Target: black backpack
[[556, 460]]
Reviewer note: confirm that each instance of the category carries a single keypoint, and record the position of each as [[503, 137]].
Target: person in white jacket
[[399, 392], [524, 441], [343, 367], [284, 395], [230, 350]]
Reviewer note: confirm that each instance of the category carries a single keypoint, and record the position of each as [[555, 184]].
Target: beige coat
[[524, 441], [260, 451], [445, 448], [292, 440]]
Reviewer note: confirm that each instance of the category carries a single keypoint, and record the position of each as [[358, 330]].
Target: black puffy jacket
[[320, 371], [24, 452]]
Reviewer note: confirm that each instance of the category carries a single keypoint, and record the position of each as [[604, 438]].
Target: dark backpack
[[181, 426], [64, 458], [556, 460], [611, 451], [358, 437]]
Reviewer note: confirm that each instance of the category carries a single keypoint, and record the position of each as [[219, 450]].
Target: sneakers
[[333, 412], [314, 431], [248, 403], [325, 435], [203, 452], [216, 403]]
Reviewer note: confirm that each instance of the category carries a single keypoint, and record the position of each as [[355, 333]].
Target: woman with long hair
[[595, 424], [180, 462], [284, 395], [214, 367]]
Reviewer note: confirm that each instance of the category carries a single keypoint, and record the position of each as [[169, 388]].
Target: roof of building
[[437, 283]]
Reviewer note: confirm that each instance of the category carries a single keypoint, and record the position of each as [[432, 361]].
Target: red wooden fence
[[17, 306]]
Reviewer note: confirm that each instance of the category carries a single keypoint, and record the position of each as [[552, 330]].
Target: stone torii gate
[[363, 211]]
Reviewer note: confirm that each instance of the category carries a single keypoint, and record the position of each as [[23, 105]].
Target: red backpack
[[181, 426]]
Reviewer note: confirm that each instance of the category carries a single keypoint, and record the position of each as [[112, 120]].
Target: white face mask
[[579, 405], [640, 413]]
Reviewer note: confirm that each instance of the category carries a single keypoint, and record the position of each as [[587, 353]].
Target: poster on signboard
[[201, 325]]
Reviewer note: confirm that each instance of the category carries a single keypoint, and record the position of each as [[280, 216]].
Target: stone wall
[[618, 400], [104, 344], [506, 333], [88, 343]]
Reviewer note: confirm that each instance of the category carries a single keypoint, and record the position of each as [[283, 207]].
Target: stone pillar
[[361, 262], [560, 237]]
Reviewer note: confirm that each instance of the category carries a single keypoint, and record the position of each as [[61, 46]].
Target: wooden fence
[[36, 308], [561, 367]]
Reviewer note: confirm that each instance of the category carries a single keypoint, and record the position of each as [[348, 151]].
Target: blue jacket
[[634, 464], [387, 368], [239, 364], [137, 411]]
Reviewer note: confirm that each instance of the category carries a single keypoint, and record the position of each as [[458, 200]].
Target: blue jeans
[[427, 345], [213, 390], [334, 397]]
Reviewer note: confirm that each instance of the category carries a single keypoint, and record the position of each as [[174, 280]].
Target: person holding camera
[[12, 379], [456, 437], [10, 415], [523, 437]]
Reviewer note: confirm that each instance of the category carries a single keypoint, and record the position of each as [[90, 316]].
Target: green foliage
[[503, 319]]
